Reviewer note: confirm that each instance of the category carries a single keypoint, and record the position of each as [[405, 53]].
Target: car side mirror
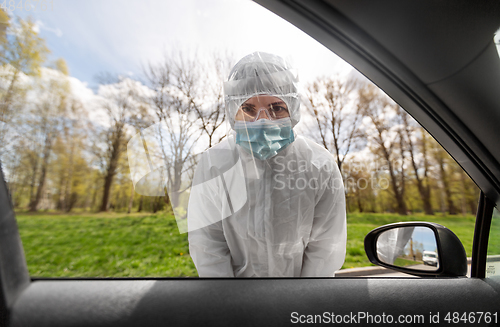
[[417, 248]]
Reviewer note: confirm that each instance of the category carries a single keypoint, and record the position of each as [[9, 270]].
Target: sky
[[123, 36]]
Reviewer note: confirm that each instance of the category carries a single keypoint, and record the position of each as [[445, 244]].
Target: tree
[[423, 184], [71, 168], [361, 185], [385, 138], [209, 105], [470, 192], [125, 105], [4, 25], [443, 163], [47, 117], [337, 115], [188, 103], [22, 52]]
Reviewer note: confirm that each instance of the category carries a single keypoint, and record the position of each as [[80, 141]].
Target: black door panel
[[235, 302]]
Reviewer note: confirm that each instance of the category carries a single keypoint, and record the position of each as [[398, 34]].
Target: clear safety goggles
[[251, 113]]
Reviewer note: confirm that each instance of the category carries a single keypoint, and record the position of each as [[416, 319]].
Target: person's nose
[[262, 114]]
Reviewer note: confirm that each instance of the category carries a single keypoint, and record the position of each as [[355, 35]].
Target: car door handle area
[[230, 302]]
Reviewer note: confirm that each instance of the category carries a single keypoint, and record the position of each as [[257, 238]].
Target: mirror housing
[[452, 259]]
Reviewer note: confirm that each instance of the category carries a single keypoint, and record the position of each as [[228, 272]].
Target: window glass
[[104, 122], [493, 257]]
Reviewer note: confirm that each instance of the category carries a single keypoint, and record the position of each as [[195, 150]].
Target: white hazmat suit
[[281, 216]]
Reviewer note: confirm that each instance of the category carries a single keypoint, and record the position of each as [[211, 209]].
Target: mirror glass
[[412, 247]]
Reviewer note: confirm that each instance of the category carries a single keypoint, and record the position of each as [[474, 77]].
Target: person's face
[[262, 107]]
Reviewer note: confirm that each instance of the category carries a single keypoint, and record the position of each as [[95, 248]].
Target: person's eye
[[247, 109], [278, 109]]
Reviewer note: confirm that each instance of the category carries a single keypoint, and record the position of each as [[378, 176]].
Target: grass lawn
[[149, 245], [494, 239], [104, 245], [400, 262]]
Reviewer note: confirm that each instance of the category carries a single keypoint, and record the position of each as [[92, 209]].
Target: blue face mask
[[264, 138]]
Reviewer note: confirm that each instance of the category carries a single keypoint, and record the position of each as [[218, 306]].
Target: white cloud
[[39, 25], [81, 91]]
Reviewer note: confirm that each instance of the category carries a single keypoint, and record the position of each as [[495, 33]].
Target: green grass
[[146, 245], [104, 245], [401, 262], [494, 239]]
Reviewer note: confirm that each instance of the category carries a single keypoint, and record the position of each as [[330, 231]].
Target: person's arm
[[209, 251], [206, 209], [325, 252]]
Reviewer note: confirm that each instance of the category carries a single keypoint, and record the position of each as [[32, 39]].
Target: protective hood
[[262, 73]]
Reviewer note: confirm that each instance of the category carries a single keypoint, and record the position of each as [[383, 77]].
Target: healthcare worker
[[266, 202]]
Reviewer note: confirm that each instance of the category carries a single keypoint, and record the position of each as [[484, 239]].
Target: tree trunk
[[72, 201], [427, 201], [108, 180], [33, 179], [140, 204], [360, 204], [156, 203], [446, 185], [464, 198], [60, 201], [423, 190], [68, 194], [94, 197], [131, 199], [112, 166], [43, 173], [397, 189], [398, 194]]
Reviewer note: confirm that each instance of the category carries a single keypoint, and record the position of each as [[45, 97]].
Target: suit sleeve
[[207, 244], [209, 251], [325, 252]]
